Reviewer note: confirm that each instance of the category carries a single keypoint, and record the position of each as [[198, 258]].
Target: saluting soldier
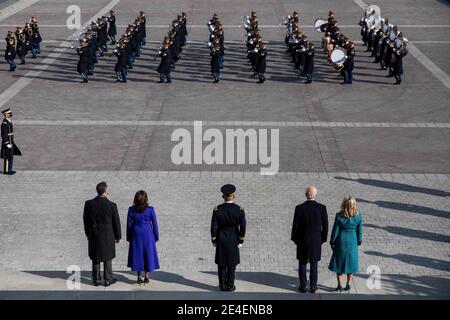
[[112, 30], [9, 148], [228, 228], [10, 52]]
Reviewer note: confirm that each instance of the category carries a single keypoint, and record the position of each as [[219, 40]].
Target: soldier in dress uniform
[[143, 21], [309, 63], [215, 62], [21, 48], [36, 37], [164, 66], [10, 52], [9, 148], [400, 50], [260, 64], [83, 62], [349, 63], [112, 30], [228, 227]]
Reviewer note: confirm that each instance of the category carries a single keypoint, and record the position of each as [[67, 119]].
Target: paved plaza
[[386, 145]]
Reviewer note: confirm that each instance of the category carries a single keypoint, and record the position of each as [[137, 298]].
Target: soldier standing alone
[[227, 235], [9, 148]]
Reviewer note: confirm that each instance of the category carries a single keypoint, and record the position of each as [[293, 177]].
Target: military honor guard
[[228, 226], [171, 48], [256, 49], [10, 52], [143, 22], [349, 63], [385, 42], [299, 47], [9, 148], [83, 61]]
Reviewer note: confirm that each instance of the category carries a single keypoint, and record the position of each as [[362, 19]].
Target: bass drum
[[338, 56], [318, 24]]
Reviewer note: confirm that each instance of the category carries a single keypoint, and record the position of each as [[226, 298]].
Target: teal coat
[[346, 236]]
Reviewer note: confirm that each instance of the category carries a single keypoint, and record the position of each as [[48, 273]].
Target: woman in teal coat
[[346, 236]]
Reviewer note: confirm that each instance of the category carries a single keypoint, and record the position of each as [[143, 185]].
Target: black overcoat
[[112, 31], [309, 230], [228, 228], [164, 66], [102, 228]]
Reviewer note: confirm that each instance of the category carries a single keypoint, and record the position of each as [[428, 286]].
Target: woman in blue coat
[[142, 234], [345, 238]]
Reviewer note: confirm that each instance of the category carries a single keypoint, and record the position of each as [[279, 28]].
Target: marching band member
[[10, 52], [83, 62], [309, 63], [349, 63], [260, 61], [400, 50], [36, 36], [164, 66], [21, 44]]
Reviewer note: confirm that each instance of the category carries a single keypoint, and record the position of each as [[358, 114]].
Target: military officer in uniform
[[10, 52], [112, 30], [21, 45], [227, 235], [9, 148]]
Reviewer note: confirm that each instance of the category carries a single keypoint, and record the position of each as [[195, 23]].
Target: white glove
[[239, 245], [9, 145]]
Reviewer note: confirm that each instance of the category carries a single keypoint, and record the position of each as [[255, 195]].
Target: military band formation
[[383, 40], [24, 40]]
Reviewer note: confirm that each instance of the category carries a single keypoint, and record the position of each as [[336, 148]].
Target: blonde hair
[[348, 207]]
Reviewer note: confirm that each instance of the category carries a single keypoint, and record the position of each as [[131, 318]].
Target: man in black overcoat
[[112, 30], [102, 229], [228, 227], [309, 232]]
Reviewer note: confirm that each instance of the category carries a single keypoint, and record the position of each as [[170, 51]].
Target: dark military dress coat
[[309, 61], [8, 153], [309, 230], [112, 30], [102, 228], [260, 65], [164, 66], [227, 231], [10, 52]]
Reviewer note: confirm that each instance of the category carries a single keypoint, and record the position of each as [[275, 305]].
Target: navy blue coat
[[309, 230], [228, 227]]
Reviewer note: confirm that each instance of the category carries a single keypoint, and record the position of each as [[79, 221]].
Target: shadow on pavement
[[415, 260], [398, 186]]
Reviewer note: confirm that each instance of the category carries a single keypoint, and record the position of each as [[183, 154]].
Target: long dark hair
[[140, 201]]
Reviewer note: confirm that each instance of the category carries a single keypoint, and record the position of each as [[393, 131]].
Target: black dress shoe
[[96, 283], [232, 288], [313, 289], [302, 290], [139, 280], [108, 283], [146, 280]]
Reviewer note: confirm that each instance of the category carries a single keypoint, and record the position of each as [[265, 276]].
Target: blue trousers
[[348, 76], [7, 165], [167, 76], [312, 275], [12, 64]]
